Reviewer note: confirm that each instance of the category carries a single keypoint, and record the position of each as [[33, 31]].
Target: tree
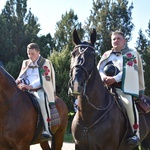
[[47, 44], [142, 43], [64, 29], [61, 63], [19, 30], [146, 57], [108, 16]]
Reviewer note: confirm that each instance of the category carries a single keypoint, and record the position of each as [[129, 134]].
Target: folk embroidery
[[130, 60], [45, 71]]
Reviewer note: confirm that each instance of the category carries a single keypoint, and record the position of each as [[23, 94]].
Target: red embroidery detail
[[129, 55], [46, 70], [130, 63], [130, 60], [135, 126], [48, 119]]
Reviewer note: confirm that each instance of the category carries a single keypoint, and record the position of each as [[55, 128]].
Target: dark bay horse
[[99, 123], [18, 118]]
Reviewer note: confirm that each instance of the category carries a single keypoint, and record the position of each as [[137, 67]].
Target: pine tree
[[108, 16], [64, 29], [19, 29]]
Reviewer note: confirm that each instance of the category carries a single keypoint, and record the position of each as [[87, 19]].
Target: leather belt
[[35, 90]]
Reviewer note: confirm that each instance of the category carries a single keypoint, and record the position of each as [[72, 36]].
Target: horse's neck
[[7, 93], [95, 86], [94, 97]]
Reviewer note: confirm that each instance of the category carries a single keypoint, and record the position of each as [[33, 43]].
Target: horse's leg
[[58, 139], [4, 148], [22, 147], [44, 145]]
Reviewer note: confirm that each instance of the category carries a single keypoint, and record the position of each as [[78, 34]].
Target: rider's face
[[118, 41], [33, 54]]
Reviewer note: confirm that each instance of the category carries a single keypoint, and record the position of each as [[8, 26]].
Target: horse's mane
[[8, 76]]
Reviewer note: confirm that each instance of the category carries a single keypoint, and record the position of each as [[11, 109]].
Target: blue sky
[[49, 12]]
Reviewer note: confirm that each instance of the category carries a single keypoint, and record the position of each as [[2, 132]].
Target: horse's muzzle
[[75, 88]]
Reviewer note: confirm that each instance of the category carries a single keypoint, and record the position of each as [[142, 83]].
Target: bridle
[[82, 51], [88, 75]]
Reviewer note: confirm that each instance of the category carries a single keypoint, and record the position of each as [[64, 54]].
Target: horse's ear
[[93, 37], [76, 39]]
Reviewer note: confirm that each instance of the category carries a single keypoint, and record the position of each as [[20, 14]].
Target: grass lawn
[[68, 137]]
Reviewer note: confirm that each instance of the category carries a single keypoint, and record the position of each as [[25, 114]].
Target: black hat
[[110, 69]]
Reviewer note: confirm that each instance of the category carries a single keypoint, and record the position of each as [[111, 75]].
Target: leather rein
[[88, 75], [106, 109]]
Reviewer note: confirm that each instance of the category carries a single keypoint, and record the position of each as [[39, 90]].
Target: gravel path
[[66, 146]]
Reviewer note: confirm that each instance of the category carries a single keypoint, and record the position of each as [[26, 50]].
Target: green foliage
[[61, 63], [108, 16], [64, 28], [14, 66], [143, 47], [18, 29], [46, 44]]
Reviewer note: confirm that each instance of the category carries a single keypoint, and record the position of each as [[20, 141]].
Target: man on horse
[[122, 68], [38, 77]]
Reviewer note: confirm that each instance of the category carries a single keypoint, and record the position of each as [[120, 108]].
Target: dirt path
[[66, 146]]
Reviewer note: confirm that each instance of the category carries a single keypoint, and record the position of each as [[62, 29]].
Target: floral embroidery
[[130, 60], [45, 71]]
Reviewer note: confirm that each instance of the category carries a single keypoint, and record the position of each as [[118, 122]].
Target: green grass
[[68, 137]]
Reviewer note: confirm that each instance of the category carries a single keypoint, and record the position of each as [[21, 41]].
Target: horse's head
[[82, 63]]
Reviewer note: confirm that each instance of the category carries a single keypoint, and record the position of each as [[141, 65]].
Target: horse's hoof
[[46, 135]]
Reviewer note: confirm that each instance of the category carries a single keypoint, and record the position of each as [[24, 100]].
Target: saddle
[[142, 106]]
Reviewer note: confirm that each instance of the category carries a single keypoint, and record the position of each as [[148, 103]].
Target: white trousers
[[131, 109], [44, 106]]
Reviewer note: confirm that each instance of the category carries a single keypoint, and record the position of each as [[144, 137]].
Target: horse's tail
[[53, 142]]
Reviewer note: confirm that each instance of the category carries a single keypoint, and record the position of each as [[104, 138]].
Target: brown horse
[[18, 118], [99, 123]]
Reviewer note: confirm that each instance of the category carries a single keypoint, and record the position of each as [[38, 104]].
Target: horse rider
[[38, 77], [127, 69]]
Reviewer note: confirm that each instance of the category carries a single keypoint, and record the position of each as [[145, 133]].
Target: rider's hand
[[109, 80], [25, 87]]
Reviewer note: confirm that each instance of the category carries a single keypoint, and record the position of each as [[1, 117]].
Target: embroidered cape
[[47, 76], [133, 77]]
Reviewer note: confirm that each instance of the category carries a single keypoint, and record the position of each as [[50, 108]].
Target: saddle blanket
[[55, 119]]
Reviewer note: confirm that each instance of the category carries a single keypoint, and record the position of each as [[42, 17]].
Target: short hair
[[33, 46], [118, 32]]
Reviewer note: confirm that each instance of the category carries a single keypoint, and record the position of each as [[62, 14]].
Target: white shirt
[[117, 61], [31, 76]]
